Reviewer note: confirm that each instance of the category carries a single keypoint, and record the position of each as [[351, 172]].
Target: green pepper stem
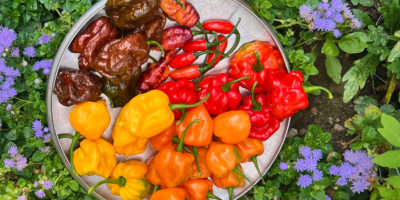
[[71, 151], [313, 88], [65, 135], [230, 192], [255, 162], [176, 140], [180, 106], [258, 66], [203, 31], [198, 54], [227, 86], [237, 170], [183, 111], [153, 59], [196, 159], [155, 188], [181, 4], [256, 105], [237, 40], [149, 42], [205, 69], [212, 196], [180, 145], [121, 181]]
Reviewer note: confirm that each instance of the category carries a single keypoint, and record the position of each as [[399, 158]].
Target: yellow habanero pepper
[[144, 116], [90, 119], [128, 181], [94, 157]]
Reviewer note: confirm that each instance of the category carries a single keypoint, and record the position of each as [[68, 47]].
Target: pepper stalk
[[75, 139], [256, 105], [227, 86], [150, 42], [183, 106], [313, 88], [121, 181], [180, 146]]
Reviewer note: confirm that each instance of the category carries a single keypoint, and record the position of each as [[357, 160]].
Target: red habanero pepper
[[181, 91], [222, 47], [219, 26], [176, 37], [263, 123], [224, 91], [188, 58], [253, 59], [188, 73], [286, 95]]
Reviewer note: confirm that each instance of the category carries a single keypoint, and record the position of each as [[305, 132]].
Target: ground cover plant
[[354, 43]]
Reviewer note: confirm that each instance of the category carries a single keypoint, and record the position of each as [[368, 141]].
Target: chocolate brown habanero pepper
[[120, 59], [129, 14], [152, 30], [90, 41], [76, 86]]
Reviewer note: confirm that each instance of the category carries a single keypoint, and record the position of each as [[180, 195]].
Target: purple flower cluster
[[29, 51], [329, 17], [44, 39], [309, 163], [43, 64], [7, 37], [47, 185], [17, 161], [39, 131], [357, 169], [7, 80], [22, 197]]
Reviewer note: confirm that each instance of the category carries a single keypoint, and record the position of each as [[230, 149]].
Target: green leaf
[[390, 130], [357, 75], [369, 134], [386, 193], [38, 156], [333, 68], [395, 181], [356, 146], [353, 42], [394, 67], [74, 185], [363, 102], [330, 48], [364, 17], [391, 14], [395, 53], [389, 159], [397, 33]]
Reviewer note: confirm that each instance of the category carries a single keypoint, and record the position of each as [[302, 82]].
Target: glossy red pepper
[[189, 73], [181, 91], [188, 58], [224, 92], [219, 26], [196, 45], [221, 47], [263, 123]]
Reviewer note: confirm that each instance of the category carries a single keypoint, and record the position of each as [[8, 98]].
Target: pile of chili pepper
[[202, 127]]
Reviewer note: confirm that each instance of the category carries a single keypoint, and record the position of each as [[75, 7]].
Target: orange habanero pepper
[[199, 134], [152, 175], [249, 149], [229, 181], [174, 166], [204, 172], [175, 193], [199, 189], [163, 139], [222, 158], [232, 127]]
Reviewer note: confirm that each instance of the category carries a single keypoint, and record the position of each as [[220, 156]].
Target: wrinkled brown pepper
[[152, 30], [90, 42], [120, 59], [174, 11], [129, 14], [156, 73], [176, 37], [76, 86]]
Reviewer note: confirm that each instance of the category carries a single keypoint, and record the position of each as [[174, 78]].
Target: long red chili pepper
[[202, 45], [188, 73], [188, 58], [222, 48], [219, 26]]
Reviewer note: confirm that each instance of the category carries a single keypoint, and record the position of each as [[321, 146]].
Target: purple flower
[[350, 156], [7, 37], [46, 138], [323, 6], [334, 170], [317, 175], [21, 164], [355, 24], [8, 107], [22, 197], [347, 13], [338, 18], [37, 127], [44, 149], [360, 185], [305, 151], [5, 95], [317, 154], [44, 39], [43, 64], [310, 164], [300, 165], [40, 194], [13, 150], [29, 51], [283, 166], [47, 185], [346, 170], [324, 24], [342, 181], [36, 81], [14, 52], [329, 13], [9, 163], [337, 5], [46, 129], [304, 180], [306, 12], [52, 34], [35, 184], [337, 33], [327, 197]]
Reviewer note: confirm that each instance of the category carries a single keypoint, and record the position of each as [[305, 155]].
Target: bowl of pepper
[[171, 99]]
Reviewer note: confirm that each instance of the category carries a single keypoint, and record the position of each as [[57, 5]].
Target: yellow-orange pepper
[[249, 149], [94, 157], [126, 143], [128, 181], [152, 175], [199, 189], [232, 127], [175, 193], [201, 157], [163, 139], [90, 119], [222, 158], [230, 180]]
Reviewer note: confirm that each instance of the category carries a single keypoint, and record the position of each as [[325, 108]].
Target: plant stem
[[390, 90], [71, 151], [256, 105], [227, 86], [180, 145], [180, 106], [149, 42], [121, 182]]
